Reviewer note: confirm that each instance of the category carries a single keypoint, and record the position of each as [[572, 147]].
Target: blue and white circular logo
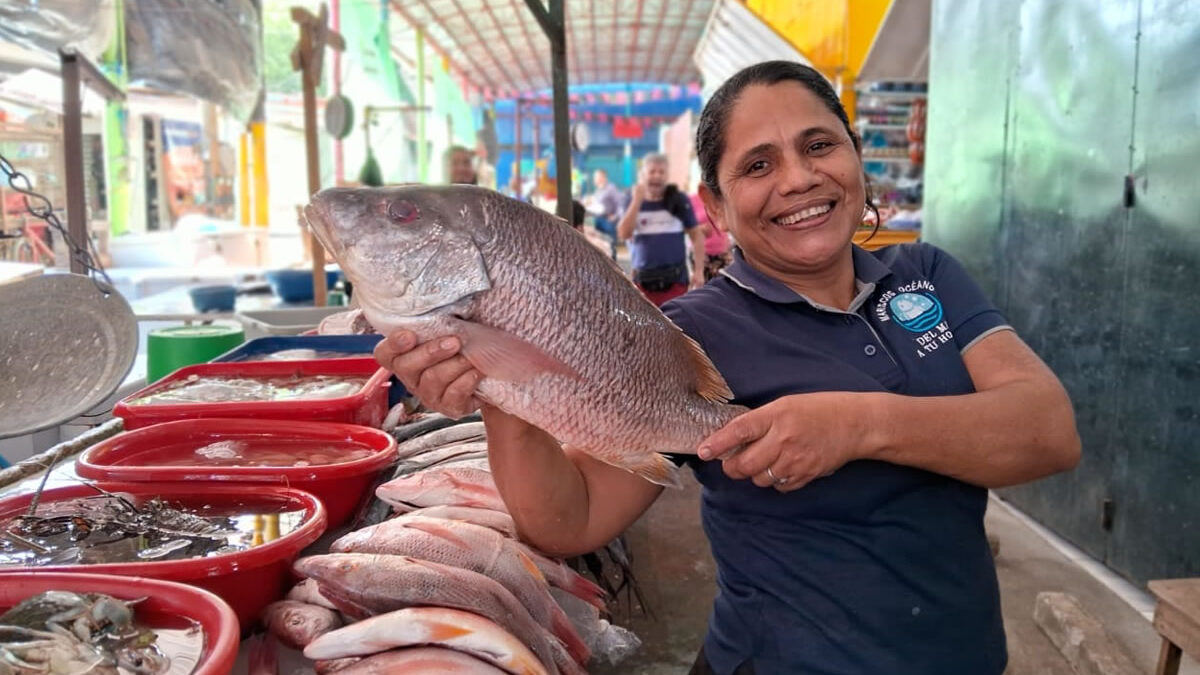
[[917, 312]]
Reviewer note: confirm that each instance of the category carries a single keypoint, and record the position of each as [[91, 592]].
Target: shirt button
[[869, 350], [849, 319]]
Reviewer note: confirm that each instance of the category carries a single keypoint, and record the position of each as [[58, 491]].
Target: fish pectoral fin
[[655, 468], [504, 356]]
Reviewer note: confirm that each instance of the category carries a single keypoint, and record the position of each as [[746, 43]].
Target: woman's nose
[[799, 174]]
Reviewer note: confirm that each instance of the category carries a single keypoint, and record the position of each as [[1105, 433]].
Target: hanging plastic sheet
[[207, 48], [43, 26]]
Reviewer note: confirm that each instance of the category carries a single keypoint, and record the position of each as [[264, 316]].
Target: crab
[[60, 631]]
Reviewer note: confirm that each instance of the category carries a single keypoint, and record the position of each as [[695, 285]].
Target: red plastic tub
[[165, 602], [248, 580], [167, 452], [366, 407]]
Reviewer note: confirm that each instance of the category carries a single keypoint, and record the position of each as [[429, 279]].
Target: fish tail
[[576, 584], [565, 631], [264, 655]]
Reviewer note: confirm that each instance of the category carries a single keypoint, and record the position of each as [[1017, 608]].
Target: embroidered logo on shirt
[[916, 312], [916, 308]]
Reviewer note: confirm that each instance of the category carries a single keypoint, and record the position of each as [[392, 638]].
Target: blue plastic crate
[[350, 345]]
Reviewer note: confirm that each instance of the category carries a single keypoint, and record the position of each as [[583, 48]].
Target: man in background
[[657, 224], [605, 205], [459, 165]]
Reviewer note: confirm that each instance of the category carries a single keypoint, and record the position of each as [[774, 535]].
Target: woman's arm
[[563, 502], [1017, 426]]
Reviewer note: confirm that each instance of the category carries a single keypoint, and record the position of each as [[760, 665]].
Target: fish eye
[[403, 211]]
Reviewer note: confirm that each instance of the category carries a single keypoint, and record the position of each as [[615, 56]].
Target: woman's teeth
[[810, 212]]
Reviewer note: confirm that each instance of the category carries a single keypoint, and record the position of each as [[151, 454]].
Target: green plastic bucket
[[169, 349]]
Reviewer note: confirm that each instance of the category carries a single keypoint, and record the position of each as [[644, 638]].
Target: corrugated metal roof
[[734, 38], [901, 47], [498, 45]]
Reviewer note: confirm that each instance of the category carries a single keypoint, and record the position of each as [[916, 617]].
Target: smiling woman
[[886, 394]]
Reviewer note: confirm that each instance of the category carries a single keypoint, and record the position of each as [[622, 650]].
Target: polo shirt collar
[[868, 270]]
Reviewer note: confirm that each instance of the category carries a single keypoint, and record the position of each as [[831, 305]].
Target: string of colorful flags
[[641, 95]]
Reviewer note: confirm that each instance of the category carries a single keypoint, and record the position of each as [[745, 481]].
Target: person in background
[[485, 173], [716, 241], [578, 214], [658, 220], [605, 204], [459, 166], [887, 394]]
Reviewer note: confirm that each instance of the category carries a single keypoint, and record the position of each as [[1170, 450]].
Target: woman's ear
[[714, 207]]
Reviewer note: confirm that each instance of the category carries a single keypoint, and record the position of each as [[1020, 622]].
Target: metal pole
[[339, 161], [554, 25], [562, 133], [422, 151], [73, 157], [517, 144]]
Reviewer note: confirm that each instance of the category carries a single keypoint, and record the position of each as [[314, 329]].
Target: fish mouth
[[311, 218]]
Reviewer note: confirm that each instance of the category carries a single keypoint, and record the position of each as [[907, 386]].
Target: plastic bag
[[205, 48], [45, 25], [608, 643]]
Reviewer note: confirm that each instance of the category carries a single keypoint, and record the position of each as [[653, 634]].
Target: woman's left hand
[[791, 441]]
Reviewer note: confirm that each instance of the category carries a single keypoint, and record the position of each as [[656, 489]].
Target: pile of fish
[[435, 579], [64, 632], [224, 389]]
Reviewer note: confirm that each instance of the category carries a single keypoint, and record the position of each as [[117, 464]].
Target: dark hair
[[578, 213], [710, 131]]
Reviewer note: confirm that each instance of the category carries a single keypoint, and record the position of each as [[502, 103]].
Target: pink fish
[[473, 548], [429, 660], [456, 629], [456, 486]]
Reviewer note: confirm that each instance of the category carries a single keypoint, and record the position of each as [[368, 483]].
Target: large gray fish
[[563, 340]]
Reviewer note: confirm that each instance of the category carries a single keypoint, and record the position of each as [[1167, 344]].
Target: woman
[[887, 395]]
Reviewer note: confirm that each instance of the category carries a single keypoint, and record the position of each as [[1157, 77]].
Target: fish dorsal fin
[[709, 383]]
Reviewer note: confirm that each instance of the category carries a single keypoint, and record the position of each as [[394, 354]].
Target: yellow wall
[[834, 35]]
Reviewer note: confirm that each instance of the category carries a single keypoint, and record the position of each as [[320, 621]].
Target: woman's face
[[791, 181]]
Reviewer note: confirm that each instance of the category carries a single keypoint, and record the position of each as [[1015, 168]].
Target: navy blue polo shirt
[[877, 568]]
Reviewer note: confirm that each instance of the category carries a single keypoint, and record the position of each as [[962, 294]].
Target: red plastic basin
[[166, 452], [164, 600], [248, 580], [367, 407]]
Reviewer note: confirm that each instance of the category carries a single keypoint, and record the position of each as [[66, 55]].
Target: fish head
[[409, 250]]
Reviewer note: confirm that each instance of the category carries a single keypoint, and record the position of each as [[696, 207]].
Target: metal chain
[[40, 207]]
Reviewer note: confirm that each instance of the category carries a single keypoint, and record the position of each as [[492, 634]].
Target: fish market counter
[[449, 559]]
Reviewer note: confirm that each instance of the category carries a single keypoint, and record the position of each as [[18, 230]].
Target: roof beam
[[569, 35], [616, 40], [507, 43], [595, 40], [519, 13], [479, 39], [633, 44], [652, 55], [442, 51], [666, 63]]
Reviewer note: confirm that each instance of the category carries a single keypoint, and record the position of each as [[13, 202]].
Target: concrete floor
[[676, 572]]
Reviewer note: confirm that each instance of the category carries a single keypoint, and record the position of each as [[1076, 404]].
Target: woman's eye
[[820, 146], [757, 166]]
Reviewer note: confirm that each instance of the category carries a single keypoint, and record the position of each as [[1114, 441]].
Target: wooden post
[[308, 57]]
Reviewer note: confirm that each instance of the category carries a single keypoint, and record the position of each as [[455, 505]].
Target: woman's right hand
[[434, 371]]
